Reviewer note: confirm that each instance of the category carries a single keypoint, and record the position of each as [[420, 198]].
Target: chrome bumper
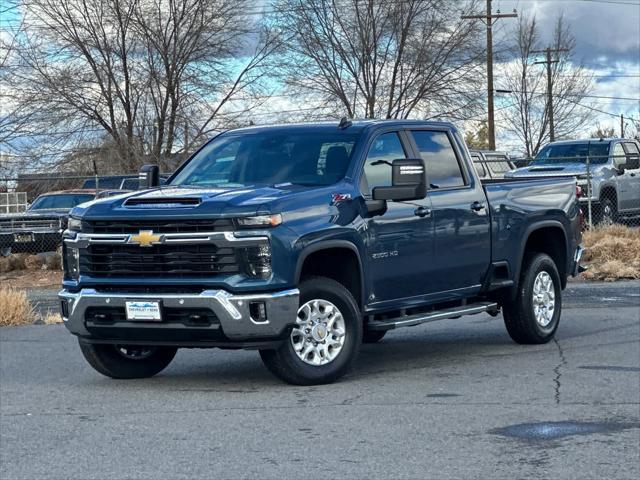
[[576, 268], [232, 311]]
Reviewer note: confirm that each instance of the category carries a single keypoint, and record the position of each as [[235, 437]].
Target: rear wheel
[[325, 341], [127, 361], [534, 315]]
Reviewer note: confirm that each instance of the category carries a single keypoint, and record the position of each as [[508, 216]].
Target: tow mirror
[[409, 181], [149, 176]]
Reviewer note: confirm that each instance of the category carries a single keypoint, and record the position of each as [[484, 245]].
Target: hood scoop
[[546, 169], [162, 202]]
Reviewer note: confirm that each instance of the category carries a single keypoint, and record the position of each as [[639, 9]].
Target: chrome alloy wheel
[[319, 334], [544, 299]]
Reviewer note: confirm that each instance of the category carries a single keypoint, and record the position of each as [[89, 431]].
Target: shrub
[[612, 253], [15, 308]]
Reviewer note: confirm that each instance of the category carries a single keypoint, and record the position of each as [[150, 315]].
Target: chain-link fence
[[609, 184], [34, 209]]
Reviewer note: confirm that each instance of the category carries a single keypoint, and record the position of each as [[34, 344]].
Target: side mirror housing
[[409, 181], [149, 176]]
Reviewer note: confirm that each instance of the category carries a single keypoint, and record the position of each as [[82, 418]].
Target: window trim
[[467, 178]]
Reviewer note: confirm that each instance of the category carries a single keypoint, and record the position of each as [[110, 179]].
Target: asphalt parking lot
[[452, 399]]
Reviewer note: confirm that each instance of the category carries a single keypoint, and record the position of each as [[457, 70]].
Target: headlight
[[260, 221], [257, 261], [74, 224], [72, 262]]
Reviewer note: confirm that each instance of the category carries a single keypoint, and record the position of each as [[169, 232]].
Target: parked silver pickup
[[612, 165]]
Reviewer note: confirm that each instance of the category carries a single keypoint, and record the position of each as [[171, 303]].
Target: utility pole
[[548, 62], [489, 19], [622, 125]]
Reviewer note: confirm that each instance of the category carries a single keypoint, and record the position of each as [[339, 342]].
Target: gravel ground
[[451, 399]]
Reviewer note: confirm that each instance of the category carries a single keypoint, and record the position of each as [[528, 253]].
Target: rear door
[[632, 177], [460, 214]]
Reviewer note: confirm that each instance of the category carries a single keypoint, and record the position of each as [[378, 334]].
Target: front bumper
[[233, 313]]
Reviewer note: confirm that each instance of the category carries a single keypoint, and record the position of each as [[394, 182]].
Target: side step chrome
[[411, 320]]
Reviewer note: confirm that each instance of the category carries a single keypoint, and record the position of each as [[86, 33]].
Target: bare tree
[[145, 77], [379, 58], [527, 83]]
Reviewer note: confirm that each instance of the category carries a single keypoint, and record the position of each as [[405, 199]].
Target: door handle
[[632, 174], [422, 212], [477, 206]]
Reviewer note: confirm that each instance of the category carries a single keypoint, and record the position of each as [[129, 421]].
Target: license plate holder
[[23, 237], [143, 311]]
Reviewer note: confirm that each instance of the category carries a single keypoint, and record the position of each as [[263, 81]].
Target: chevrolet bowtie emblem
[[145, 238]]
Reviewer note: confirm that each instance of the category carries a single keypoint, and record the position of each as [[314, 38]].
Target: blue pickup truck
[[303, 241]]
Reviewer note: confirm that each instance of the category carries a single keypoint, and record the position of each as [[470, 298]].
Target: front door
[[399, 242]]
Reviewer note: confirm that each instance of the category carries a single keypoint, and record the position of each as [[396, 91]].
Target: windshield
[[573, 153], [267, 158], [62, 202]]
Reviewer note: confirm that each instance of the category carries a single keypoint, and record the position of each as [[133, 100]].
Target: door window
[[377, 169], [441, 164], [633, 155], [619, 157]]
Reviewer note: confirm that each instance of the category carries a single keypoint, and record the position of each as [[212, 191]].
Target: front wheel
[[127, 361], [324, 342], [533, 316]]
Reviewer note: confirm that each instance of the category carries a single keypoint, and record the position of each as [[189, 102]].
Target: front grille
[[14, 224], [158, 226], [158, 261]]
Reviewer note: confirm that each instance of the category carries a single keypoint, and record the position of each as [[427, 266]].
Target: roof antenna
[[345, 123]]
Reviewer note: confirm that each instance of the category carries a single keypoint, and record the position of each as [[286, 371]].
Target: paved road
[[453, 399]]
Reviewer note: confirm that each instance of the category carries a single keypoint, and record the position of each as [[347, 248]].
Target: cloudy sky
[[607, 34]]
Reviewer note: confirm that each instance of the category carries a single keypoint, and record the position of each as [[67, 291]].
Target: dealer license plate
[[23, 237], [143, 311]]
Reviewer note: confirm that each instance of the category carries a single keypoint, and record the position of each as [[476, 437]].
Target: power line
[[489, 19]]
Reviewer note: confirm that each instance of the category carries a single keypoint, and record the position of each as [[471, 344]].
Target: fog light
[[258, 311]]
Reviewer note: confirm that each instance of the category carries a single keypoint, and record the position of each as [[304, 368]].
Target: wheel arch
[[313, 261], [548, 237]]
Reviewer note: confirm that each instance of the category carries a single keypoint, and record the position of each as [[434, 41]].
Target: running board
[[411, 320]]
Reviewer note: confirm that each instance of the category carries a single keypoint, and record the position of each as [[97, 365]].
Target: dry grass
[[51, 318], [612, 253], [15, 308], [23, 261]]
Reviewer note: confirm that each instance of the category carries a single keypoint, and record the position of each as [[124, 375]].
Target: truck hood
[[191, 202], [549, 170]]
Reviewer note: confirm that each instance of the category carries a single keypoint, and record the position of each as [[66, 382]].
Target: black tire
[[109, 361], [285, 363], [519, 315], [373, 336], [607, 212]]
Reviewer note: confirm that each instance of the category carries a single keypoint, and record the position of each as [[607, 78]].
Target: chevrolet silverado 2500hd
[[303, 241]]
